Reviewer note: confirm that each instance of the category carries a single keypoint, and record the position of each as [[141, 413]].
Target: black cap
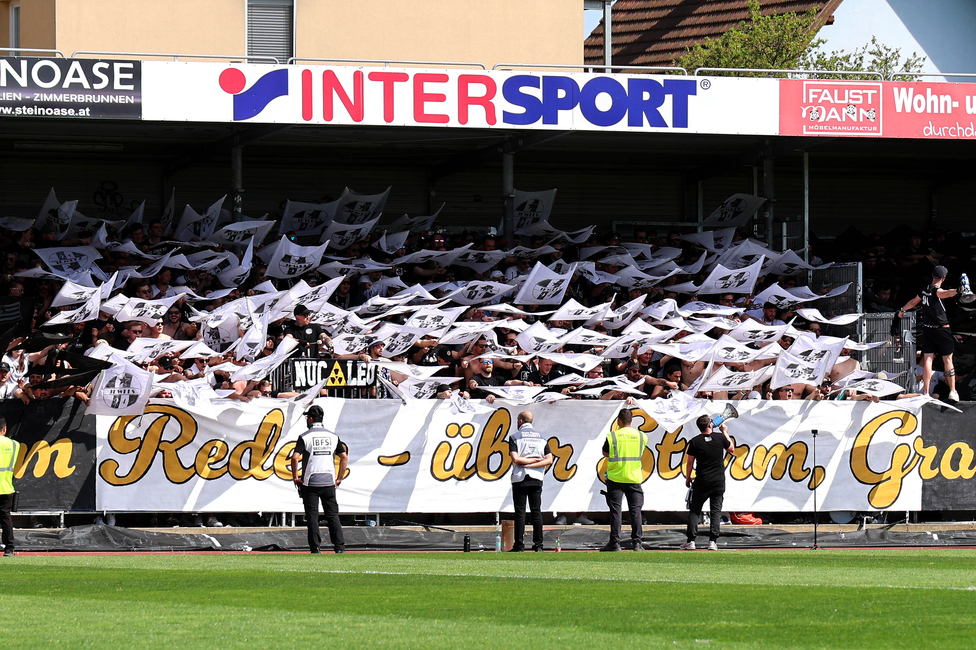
[[315, 412], [302, 310], [4, 367], [940, 272]]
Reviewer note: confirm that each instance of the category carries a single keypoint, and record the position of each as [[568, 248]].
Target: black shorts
[[937, 340]]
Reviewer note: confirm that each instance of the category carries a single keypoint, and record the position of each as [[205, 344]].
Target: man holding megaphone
[[709, 450]]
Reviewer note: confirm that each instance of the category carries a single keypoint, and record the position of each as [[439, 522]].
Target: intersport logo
[[249, 103], [840, 108]]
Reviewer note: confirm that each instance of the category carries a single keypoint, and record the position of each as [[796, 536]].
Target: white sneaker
[[110, 519], [560, 520], [953, 396], [688, 546], [583, 520], [99, 521], [712, 546]]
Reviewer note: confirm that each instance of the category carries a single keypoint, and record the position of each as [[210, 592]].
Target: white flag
[[531, 207], [291, 260], [341, 236], [307, 218], [727, 379], [70, 260], [236, 234], [264, 365], [72, 293], [735, 211], [416, 224], [146, 311], [357, 208], [478, 292], [120, 390], [790, 369], [723, 280], [543, 287], [86, 312], [673, 412], [199, 226]]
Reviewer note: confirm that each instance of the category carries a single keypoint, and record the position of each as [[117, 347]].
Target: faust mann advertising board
[[422, 457]]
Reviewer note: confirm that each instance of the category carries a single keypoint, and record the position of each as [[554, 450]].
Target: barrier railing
[[801, 73], [176, 57], [389, 62], [344, 378], [16, 51], [897, 355], [589, 66]]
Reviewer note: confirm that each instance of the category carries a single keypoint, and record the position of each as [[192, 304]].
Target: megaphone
[[966, 294], [728, 414]]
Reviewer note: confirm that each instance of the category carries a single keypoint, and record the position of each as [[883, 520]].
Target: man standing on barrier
[[531, 455], [317, 450], [9, 449], [623, 448], [709, 485], [936, 336]]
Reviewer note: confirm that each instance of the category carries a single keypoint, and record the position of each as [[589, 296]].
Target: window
[[271, 29], [15, 26]]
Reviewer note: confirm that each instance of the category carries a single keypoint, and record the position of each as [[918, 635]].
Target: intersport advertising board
[[373, 96]]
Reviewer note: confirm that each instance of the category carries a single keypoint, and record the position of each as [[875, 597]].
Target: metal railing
[[897, 355], [16, 51], [931, 74], [176, 57], [849, 302], [588, 66], [879, 75], [389, 62]]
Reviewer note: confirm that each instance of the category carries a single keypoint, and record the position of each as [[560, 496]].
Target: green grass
[[740, 599]]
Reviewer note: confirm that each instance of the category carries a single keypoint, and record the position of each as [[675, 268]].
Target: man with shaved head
[[531, 455]]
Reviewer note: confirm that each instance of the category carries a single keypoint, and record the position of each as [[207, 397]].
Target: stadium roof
[[657, 32]]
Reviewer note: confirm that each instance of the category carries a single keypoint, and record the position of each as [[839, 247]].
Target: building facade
[[501, 31]]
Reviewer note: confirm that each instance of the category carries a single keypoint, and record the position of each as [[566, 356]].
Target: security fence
[[897, 355]]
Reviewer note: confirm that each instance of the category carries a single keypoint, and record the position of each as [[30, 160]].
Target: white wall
[[943, 31]]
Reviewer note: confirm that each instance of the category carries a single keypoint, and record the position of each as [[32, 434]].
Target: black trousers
[[532, 493], [635, 501], [700, 493], [6, 523], [327, 495]]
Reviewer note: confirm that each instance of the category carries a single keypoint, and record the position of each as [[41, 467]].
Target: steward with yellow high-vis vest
[[623, 448], [9, 450]]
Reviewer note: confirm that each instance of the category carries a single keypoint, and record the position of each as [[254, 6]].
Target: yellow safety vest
[[624, 462], [8, 458]]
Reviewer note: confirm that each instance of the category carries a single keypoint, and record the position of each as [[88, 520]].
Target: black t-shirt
[[709, 452], [481, 380], [933, 311]]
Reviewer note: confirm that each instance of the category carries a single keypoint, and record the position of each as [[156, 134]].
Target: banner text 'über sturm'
[[421, 457]]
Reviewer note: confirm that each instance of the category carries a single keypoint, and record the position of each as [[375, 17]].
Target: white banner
[[349, 95], [425, 457]]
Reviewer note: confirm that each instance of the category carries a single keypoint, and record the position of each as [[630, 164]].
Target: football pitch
[[891, 598]]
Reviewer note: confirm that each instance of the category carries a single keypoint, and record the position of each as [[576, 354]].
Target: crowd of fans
[[477, 347], [622, 340]]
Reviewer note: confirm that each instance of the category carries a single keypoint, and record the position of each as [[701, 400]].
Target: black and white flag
[[724, 280], [237, 234], [291, 260], [70, 260], [478, 292], [355, 208], [735, 211], [307, 218], [415, 224], [341, 236], [790, 369], [195, 226], [120, 390], [543, 287], [531, 207]]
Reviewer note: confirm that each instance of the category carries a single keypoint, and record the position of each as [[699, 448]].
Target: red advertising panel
[[878, 109]]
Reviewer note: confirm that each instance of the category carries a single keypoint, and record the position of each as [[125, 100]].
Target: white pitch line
[[612, 579]]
